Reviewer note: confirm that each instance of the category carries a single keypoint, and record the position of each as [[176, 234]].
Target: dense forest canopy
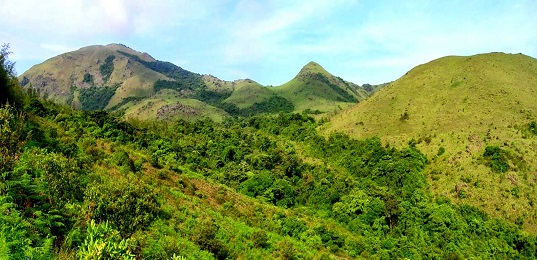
[[89, 185]]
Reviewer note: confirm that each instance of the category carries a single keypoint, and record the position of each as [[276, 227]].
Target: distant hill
[[117, 78], [316, 87], [453, 108]]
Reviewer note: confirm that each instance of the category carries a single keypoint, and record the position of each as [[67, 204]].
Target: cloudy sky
[[364, 41]]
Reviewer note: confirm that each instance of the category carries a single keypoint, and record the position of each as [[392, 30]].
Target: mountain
[[474, 117], [117, 78]]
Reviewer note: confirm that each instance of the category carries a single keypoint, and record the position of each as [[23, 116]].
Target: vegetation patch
[[497, 159], [106, 68], [96, 98]]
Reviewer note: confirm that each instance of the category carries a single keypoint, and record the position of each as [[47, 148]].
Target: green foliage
[[12, 136], [532, 127], [96, 98], [106, 68], [104, 242], [441, 150], [88, 78], [174, 85], [76, 184], [496, 159], [10, 92], [205, 237], [128, 206]]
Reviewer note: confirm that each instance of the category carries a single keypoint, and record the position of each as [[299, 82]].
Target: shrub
[[129, 206], [441, 150], [496, 159]]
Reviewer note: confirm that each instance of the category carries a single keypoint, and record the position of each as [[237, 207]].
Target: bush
[[441, 150], [496, 159], [129, 206]]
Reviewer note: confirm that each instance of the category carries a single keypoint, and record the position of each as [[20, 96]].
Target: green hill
[[473, 116], [315, 88], [117, 78], [247, 92]]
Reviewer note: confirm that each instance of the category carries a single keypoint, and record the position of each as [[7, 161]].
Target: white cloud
[[88, 18], [262, 31]]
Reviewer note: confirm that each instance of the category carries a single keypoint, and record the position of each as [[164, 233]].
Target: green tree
[[10, 92]]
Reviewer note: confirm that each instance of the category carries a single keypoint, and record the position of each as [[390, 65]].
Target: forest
[[90, 185]]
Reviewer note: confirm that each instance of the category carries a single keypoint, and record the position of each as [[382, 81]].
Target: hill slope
[[454, 108]]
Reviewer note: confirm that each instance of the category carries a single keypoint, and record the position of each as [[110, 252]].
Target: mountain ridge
[[117, 78]]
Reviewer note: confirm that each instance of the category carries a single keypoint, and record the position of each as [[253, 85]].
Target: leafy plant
[[104, 242]]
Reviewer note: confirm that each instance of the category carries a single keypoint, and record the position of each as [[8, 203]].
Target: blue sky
[[269, 41]]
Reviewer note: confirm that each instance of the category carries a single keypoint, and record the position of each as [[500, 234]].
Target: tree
[[9, 87]]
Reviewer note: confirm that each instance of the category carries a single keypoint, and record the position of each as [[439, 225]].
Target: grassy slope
[[147, 109], [216, 84], [248, 92], [462, 104]]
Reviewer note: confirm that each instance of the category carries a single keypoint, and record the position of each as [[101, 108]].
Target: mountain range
[[117, 78]]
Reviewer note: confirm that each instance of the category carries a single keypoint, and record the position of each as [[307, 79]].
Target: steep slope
[[315, 88], [454, 108]]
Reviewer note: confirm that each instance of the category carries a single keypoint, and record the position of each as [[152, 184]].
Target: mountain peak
[[312, 68]]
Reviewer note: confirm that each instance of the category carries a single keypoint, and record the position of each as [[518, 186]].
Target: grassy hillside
[[454, 108], [248, 92], [169, 105], [98, 66], [258, 188]]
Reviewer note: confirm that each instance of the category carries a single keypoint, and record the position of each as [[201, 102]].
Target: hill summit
[[311, 68]]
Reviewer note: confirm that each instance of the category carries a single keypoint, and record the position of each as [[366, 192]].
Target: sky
[[269, 41]]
